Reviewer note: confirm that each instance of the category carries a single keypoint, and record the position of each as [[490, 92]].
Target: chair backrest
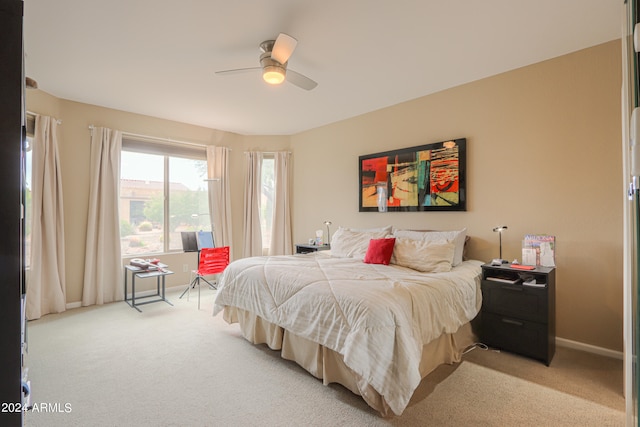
[[213, 260]]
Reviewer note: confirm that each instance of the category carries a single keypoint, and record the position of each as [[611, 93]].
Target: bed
[[348, 317]]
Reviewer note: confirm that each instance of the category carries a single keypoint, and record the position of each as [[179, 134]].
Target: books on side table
[[525, 281], [504, 280], [148, 265]]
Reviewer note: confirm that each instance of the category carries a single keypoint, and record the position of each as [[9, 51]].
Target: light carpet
[[179, 366], [491, 398]]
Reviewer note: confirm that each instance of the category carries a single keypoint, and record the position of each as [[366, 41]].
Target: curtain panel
[[103, 264], [252, 243], [281, 240], [46, 277], [219, 195]]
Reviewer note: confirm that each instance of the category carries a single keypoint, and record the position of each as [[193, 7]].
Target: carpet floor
[[179, 366]]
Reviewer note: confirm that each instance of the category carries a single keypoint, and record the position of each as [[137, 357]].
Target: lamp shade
[[328, 239], [273, 75]]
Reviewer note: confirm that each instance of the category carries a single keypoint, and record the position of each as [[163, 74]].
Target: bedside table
[[305, 249], [518, 317]]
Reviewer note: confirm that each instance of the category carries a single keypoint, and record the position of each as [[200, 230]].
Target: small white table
[[143, 274]]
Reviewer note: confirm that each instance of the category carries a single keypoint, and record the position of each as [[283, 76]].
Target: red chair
[[212, 261]]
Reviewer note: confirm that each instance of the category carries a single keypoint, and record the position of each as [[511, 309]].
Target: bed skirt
[[328, 365]]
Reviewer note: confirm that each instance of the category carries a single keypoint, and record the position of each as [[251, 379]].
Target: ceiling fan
[[273, 63]]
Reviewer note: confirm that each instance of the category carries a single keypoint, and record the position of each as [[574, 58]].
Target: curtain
[[103, 263], [219, 194], [46, 276], [281, 241], [252, 244]]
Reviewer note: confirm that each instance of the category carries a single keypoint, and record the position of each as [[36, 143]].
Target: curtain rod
[[157, 138], [266, 152], [29, 113]]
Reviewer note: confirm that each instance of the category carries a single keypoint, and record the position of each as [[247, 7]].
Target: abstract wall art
[[429, 177]]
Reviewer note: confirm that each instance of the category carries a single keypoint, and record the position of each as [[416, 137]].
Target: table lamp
[[328, 240], [499, 230]]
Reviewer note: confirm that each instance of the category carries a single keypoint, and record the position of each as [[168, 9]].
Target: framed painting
[[429, 177]]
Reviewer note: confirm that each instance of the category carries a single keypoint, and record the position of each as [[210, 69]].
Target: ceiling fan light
[[273, 75]]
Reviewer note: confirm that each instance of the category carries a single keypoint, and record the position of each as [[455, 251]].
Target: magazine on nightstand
[[539, 249]]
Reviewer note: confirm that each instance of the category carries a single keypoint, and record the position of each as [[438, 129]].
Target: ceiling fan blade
[[283, 48], [238, 70], [299, 80]]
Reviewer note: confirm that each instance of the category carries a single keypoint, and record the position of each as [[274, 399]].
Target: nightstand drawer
[[517, 300], [516, 335]]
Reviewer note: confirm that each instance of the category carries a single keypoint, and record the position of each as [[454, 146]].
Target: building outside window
[[162, 193]]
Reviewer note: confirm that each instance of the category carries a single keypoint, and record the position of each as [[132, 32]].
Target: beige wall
[[544, 156]]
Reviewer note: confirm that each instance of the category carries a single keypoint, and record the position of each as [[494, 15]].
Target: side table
[[519, 310], [143, 274]]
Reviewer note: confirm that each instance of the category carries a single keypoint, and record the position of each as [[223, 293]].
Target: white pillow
[[428, 256], [457, 237], [387, 229], [347, 243]]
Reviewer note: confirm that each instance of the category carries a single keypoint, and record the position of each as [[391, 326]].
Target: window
[[162, 192], [267, 180], [28, 205]]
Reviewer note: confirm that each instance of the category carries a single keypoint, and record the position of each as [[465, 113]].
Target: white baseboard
[[78, 304], [563, 342]]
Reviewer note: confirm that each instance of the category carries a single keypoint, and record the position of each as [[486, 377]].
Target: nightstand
[[519, 317], [305, 249]]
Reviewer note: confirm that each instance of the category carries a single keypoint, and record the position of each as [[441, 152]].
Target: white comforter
[[377, 316]]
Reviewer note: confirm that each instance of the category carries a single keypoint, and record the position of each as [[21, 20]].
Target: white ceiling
[[158, 57]]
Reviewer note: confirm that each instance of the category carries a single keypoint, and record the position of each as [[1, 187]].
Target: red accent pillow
[[380, 251]]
